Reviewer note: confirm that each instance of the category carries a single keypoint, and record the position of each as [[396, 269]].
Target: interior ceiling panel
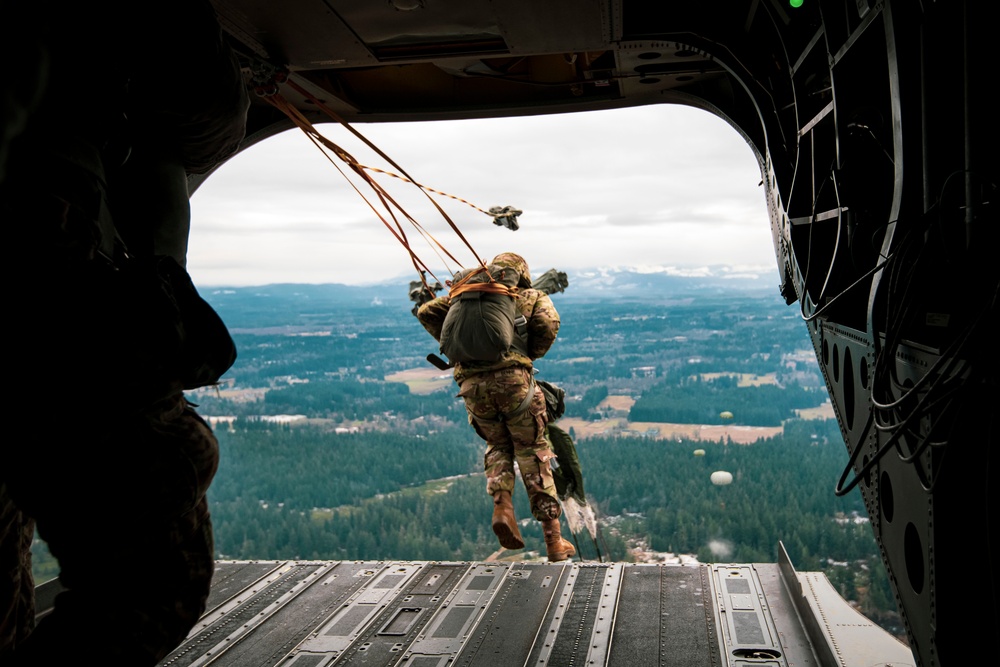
[[555, 26], [300, 34], [395, 29], [396, 59]]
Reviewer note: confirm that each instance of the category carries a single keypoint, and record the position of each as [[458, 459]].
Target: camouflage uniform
[[492, 390], [17, 586], [115, 464], [147, 575]]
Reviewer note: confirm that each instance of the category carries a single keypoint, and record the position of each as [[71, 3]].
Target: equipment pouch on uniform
[[546, 462], [207, 350], [172, 332], [555, 399]]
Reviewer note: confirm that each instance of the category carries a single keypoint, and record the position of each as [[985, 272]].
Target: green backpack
[[483, 325]]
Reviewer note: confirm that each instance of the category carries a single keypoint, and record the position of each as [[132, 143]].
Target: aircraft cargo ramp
[[432, 614]]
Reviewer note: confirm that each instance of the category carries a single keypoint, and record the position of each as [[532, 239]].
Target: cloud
[[652, 186]]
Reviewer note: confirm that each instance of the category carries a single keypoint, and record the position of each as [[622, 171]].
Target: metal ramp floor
[[473, 614]]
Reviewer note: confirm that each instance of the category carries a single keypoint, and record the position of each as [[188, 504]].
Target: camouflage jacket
[[543, 326]]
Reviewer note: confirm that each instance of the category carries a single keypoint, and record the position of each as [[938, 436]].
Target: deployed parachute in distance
[[699, 452], [722, 478], [725, 414]]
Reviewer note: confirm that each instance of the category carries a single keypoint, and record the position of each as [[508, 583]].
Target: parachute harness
[[267, 80], [493, 286]]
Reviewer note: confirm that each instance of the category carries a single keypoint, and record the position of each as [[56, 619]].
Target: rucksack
[[482, 323], [568, 476]]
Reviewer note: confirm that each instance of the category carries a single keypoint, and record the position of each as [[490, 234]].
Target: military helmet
[[516, 262]]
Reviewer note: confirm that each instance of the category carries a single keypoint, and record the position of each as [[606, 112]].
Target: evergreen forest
[[339, 441]]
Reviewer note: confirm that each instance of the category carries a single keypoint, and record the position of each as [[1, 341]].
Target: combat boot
[[556, 547], [504, 522]]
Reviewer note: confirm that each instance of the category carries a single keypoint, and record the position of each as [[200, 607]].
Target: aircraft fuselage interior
[[870, 123]]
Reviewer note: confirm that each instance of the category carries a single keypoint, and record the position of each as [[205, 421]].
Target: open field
[[744, 379], [617, 403], [824, 411], [743, 435], [234, 395], [584, 428], [422, 380]]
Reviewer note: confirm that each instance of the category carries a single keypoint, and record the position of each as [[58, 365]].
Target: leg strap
[[519, 410]]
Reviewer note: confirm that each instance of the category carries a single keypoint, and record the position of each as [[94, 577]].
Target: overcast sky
[[664, 188]]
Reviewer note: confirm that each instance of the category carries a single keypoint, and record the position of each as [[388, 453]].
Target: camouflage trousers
[[490, 399], [123, 509], [17, 586]]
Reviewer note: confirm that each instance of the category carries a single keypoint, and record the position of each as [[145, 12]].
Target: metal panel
[[509, 627], [447, 631], [333, 614], [565, 640], [600, 638], [454, 622], [746, 630], [346, 626], [401, 622], [848, 634], [289, 624], [405, 618], [232, 621], [782, 591], [232, 578], [305, 34], [665, 615]]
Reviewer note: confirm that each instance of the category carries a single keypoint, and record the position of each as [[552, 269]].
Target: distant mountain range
[[585, 285], [612, 281]]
